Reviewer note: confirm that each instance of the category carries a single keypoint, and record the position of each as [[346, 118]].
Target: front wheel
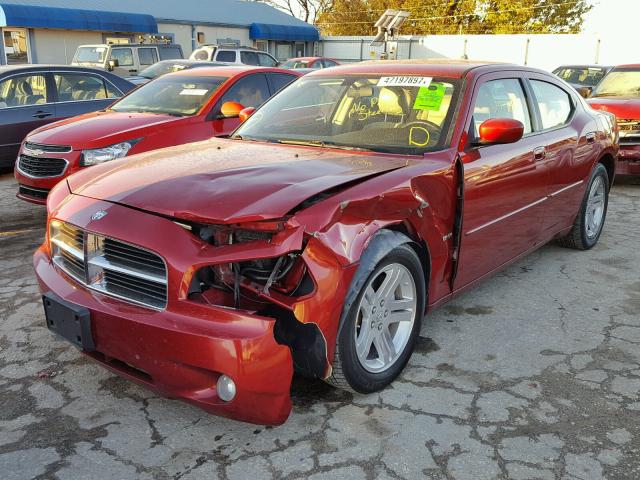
[[593, 212], [381, 327]]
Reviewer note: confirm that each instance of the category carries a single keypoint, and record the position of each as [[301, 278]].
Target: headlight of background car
[[100, 155]]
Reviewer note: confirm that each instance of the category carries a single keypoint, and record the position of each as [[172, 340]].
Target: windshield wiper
[[324, 143]]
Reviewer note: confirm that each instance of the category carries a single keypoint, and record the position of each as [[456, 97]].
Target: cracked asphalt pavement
[[534, 374]]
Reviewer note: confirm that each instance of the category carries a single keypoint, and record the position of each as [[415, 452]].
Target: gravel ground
[[534, 374]]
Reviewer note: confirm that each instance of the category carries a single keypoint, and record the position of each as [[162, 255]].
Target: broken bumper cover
[[181, 353], [628, 160]]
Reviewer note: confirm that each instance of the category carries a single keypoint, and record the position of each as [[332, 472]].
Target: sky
[[613, 17]]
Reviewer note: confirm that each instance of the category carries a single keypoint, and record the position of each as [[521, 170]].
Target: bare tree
[[306, 10]]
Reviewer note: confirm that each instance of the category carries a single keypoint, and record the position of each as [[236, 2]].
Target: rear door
[[26, 103], [504, 185], [568, 150], [80, 92], [147, 56]]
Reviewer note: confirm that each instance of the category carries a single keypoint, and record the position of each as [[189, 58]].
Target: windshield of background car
[[619, 83], [402, 114], [162, 68], [588, 76], [171, 95], [90, 55], [295, 64]]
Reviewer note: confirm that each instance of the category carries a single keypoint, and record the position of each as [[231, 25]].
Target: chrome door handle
[[41, 114], [539, 153]]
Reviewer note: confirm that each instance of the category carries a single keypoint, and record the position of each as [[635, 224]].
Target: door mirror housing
[[115, 63], [500, 131], [231, 109], [245, 113], [585, 92]]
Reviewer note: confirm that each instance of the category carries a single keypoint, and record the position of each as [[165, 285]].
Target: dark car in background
[[584, 78], [310, 63], [168, 66], [34, 95]]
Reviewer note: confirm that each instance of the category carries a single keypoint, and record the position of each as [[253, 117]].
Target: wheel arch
[[609, 163]]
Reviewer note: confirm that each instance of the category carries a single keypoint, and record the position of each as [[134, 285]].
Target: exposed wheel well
[[420, 247], [610, 164]]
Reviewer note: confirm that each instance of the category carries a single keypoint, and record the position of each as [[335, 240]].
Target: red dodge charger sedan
[[316, 238], [619, 93], [177, 108]]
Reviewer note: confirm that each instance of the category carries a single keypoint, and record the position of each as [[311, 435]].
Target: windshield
[[161, 68], [172, 95], [90, 55], [589, 76], [295, 64], [408, 115], [619, 83]]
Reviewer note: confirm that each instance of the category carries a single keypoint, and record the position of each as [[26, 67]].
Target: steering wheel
[[430, 129]]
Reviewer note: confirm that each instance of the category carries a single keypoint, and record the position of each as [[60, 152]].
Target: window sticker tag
[[404, 81], [197, 92], [430, 98]]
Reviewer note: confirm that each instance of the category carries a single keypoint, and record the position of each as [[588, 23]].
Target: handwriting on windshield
[[364, 109]]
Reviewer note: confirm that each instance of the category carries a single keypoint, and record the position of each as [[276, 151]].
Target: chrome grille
[[110, 266], [47, 148], [41, 167]]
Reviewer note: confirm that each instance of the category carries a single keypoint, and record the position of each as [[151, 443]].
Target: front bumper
[[182, 352], [628, 160]]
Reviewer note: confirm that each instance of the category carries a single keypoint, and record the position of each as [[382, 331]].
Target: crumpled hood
[[226, 181], [622, 108], [98, 129]]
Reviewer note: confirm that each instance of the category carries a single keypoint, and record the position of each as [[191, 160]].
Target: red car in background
[[619, 93], [316, 237], [177, 108]]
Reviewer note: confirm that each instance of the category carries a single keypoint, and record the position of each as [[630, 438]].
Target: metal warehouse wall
[[542, 51]]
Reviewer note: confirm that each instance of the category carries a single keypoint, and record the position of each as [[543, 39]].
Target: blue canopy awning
[[31, 16], [268, 31]]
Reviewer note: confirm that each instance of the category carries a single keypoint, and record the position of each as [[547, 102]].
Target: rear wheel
[[382, 325], [588, 225]]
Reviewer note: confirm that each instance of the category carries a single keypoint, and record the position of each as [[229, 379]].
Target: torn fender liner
[[305, 340], [381, 244]]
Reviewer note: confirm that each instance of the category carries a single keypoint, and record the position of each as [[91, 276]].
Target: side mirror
[[115, 63], [245, 113], [585, 92], [231, 109], [501, 130]]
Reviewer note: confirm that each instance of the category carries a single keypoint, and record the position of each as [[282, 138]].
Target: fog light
[[226, 388]]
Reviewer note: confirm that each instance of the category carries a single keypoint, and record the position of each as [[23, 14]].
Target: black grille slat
[[139, 265], [75, 266], [41, 193], [41, 167], [129, 280]]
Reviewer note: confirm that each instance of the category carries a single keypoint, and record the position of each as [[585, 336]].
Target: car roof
[[586, 65], [439, 67], [227, 71], [38, 67], [629, 65]]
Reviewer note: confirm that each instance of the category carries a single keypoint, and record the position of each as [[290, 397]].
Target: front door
[[25, 104], [504, 185]]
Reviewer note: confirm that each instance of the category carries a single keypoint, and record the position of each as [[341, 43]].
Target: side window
[[226, 56], [280, 80], [123, 55], [23, 90], [554, 104], [266, 60], [250, 91], [112, 91], [502, 98], [249, 58], [147, 56], [171, 53], [328, 63], [76, 87]]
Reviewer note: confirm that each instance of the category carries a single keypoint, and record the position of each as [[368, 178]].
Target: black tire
[[348, 373], [578, 238]]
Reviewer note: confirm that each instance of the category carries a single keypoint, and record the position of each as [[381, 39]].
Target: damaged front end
[[273, 269]]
